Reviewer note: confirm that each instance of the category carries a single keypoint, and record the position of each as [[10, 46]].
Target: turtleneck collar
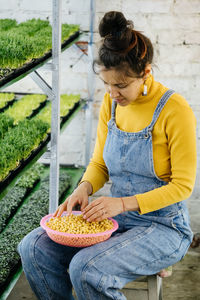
[[150, 91]]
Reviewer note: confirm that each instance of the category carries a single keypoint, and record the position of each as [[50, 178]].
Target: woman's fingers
[[92, 205], [94, 211], [61, 208], [93, 214], [98, 219], [97, 216], [71, 203], [79, 196], [84, 204], [97, 210], [59, 211], [56, 212]]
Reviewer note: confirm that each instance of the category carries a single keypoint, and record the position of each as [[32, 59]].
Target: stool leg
[[154, 287], [160, 290]]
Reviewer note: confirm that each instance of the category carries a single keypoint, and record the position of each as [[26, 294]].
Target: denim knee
[[23, 248], [84, 275], [27, 243], [75, 269]]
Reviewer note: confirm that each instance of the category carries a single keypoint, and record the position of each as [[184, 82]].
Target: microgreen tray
[[17, 74], [75, 174], [36, 153]]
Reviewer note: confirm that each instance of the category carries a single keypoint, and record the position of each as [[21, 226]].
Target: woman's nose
[[113, 91]]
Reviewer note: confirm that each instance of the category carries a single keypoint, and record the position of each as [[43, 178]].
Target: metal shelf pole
[[91, 81], [55, 114]]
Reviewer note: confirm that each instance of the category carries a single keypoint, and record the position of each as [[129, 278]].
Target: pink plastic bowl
[[76, 240]]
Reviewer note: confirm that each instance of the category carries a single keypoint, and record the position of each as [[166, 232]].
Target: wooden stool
[[145, 288]]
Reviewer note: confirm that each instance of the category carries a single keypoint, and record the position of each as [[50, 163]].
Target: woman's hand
[[79, 196], [102, 208]]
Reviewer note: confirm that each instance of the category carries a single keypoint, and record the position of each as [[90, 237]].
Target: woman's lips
[[119, 100]]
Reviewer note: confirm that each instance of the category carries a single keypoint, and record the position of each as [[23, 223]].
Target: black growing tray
[[71, 110], [13, 211], [4, 183], [13, 270], [34, 63], [36, 110], [9, 103]]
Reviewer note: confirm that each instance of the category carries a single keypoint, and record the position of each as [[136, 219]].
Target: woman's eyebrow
[[119, 83]]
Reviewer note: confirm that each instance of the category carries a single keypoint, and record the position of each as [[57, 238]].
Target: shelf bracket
[[42, 84]]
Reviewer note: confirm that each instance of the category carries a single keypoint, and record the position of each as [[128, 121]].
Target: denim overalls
[[143, 244], [129, 159]]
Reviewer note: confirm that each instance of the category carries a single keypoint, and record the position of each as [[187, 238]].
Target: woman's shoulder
[[107, 100], [106, 107], [177, 104], [178, 101], [107, 103], [178, 107]]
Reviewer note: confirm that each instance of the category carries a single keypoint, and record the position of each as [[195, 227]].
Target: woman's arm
[[96, 172], [181, 134]]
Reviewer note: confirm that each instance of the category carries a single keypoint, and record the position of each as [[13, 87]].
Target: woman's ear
[[147, 71]]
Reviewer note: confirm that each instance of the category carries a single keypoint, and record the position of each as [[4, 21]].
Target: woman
[[146, 146]]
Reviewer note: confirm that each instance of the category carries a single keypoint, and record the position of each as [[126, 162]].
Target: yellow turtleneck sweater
[[174, 145]]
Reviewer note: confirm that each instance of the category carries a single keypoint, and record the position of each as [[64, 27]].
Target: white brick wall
[[104, 5], [147, 7], [186, 7], [172, 25]]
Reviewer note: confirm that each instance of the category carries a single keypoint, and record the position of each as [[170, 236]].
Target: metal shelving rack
[[55, 128], [55, 117], [54, 95]]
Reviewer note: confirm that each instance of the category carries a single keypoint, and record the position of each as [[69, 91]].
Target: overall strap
[[163, 100], [114, 104]]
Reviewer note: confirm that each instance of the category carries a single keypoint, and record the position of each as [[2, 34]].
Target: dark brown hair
[[123, 47]]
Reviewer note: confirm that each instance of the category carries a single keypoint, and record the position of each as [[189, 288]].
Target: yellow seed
[[76, 224]]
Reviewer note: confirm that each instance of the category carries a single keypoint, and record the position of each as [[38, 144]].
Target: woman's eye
[[122, 86]]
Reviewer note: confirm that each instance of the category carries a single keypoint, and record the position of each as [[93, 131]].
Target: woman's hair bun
[[113, 23], [122, 46]]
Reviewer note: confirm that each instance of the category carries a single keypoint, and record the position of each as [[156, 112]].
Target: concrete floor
[[184, 282]]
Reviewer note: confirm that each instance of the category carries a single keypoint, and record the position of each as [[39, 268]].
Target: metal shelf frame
[[91, 85], [55, 115], [54, 95], [55, 128]]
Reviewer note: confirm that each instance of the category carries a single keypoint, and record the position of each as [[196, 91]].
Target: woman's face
[[123, 89]]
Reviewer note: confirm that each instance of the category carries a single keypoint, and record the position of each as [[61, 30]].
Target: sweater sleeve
[[96, 172], [181, 135]]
